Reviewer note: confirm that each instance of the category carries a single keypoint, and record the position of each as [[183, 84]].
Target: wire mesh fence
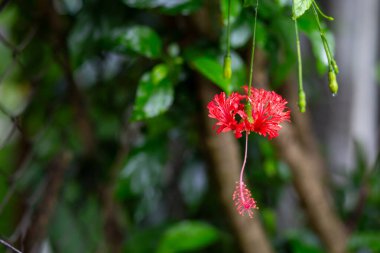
[[11, 115]]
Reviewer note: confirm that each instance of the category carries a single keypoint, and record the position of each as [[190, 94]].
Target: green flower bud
[[302, 101], [227, 72], [333, 85]]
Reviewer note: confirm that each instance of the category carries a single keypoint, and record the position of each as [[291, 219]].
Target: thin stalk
[[9, 246], [243, 167], [324, 39], [299, 58], [321, 12], [229, 29], [253, 50]]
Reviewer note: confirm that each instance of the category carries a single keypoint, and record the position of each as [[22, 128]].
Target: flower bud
[[333, 85], [227, 72], [302, 101]]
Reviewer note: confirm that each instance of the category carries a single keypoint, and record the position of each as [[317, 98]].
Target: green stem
[[324, 39], [301, 93], [299, 58], [253, 50], [229, 29], [320, 12]]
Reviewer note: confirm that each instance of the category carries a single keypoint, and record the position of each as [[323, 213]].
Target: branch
[[9, 246], [40, 219]]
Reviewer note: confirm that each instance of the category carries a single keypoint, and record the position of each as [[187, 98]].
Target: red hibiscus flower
[[258, 111], [267, 108], [225, 110]]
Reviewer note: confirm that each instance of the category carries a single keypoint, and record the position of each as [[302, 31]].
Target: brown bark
[[310, 189], [40, 219], [225, 157], [298, 147]]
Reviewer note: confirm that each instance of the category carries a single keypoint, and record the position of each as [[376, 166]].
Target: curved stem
[[243, 167], [321, 12], [324, 40]]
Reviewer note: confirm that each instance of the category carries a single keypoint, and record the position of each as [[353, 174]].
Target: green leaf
[[65, 232], [303, 241], [234, 12], [186, 236], [368, 239], [154, 93], [139, 39], [208, 66], [248, 3], [300, 6], [269, 220], [144, 240], [168, 7]]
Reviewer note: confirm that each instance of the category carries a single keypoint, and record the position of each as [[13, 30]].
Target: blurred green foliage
[[134, 61]]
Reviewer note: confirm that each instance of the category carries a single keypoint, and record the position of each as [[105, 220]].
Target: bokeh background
[[105, 143]]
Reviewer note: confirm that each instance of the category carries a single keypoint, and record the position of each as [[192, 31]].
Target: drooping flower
[[258, 111], [225, 109], [268, 111], [244, 203]]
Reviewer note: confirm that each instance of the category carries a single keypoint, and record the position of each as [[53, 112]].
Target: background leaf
[[234, 12], [139, 39], [300, 6], [208, 66], [365, 240], [168, 7], [154, 93], [248, 3], [187, 235]]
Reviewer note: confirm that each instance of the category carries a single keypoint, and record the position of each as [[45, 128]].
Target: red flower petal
[[268, 111], [224, 110]]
